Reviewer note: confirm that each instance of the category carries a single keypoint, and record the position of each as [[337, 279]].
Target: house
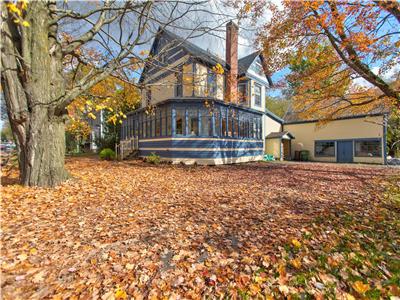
[[351, 137], [191, 113]]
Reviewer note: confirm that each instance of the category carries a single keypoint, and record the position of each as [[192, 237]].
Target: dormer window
[[259, 68]]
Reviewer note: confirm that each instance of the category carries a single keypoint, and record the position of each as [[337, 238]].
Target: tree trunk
[[32, 81]]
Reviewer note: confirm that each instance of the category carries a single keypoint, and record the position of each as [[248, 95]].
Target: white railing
[[126, 147]]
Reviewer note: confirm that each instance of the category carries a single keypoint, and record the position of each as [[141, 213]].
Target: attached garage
[[358, 139]]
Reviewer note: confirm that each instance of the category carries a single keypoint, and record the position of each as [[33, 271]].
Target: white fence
[[126, 147]]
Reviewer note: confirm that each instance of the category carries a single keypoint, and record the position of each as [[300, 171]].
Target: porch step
[[132, 155]]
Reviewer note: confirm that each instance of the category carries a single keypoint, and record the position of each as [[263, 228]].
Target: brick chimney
[[231, 58]]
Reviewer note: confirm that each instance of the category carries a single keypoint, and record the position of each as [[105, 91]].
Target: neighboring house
[[359, 138], [97, 131], [200, 116]]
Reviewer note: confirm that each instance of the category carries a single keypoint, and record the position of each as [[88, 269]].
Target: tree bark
[[32, 81]]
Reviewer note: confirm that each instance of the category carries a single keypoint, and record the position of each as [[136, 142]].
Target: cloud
[[390, 75]]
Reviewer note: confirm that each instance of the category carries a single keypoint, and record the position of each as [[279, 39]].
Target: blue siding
[[202, 154], [244, 138], [211, 143]]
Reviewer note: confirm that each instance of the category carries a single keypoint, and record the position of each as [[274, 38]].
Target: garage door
[[345, 151]]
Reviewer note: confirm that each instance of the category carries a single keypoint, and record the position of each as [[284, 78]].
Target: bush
[[153, 158], [107, 154]]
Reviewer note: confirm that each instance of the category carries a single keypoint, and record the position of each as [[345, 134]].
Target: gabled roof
[[203, 55], [245, 62], [280, 134], [294, 117], [196, 51]]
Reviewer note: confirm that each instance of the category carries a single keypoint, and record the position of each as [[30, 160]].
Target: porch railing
[[126, 147]]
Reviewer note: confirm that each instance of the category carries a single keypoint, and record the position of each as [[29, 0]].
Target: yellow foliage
[[296, 263], [110, 94], [218, 69], [296, 243], [120, 294], [361, 287]]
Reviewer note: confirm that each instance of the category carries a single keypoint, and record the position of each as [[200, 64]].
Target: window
[[230, 123], [257, 95], [169, 122], [180, 121], [368, 148], [259, 68], [223, 122], [206, 126], [211, 84], [136, 126], [178, 85], [144, 122], [163, 122], [193, 122], [242, 92], [235, 127], [158, 124], [153, 126], [217, 122], [325, 148]]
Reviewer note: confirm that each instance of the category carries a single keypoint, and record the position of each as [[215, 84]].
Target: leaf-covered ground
[[261, 230]]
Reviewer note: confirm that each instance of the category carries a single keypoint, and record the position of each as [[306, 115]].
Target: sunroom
[[193, 130]]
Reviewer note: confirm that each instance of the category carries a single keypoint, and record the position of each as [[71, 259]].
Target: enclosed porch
[[197, 131]]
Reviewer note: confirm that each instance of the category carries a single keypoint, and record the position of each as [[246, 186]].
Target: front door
[[345, 151]]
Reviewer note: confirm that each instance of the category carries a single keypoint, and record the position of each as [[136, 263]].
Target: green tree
[[393, 134], [277, 105]]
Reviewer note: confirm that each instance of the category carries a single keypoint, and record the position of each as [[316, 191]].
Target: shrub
[[153, 158], [107, 154]]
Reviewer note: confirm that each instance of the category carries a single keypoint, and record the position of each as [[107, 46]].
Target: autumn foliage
[[328, 44], [124, 230]]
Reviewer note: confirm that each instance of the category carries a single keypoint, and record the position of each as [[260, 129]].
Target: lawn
[[259, 230]]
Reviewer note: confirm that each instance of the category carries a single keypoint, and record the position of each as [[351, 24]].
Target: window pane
[[163, 122], [224, 125], [324, 148], [193, 122], [169, 122], [368, 148], [153, 126], [257, 94], [211, 84], [144, 122], [235, 127], [206, 128], [158, 124], [180, 121], [217, 123], [242, 92]]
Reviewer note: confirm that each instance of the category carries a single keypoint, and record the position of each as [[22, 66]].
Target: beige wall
[[307, 133], [270, 125], [187, 80], [163, 89], [200, 80], [273, 147]]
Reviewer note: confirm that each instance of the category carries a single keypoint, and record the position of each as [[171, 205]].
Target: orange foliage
[[358, 38]]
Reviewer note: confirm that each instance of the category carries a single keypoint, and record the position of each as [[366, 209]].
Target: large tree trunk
[[32, 81]]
